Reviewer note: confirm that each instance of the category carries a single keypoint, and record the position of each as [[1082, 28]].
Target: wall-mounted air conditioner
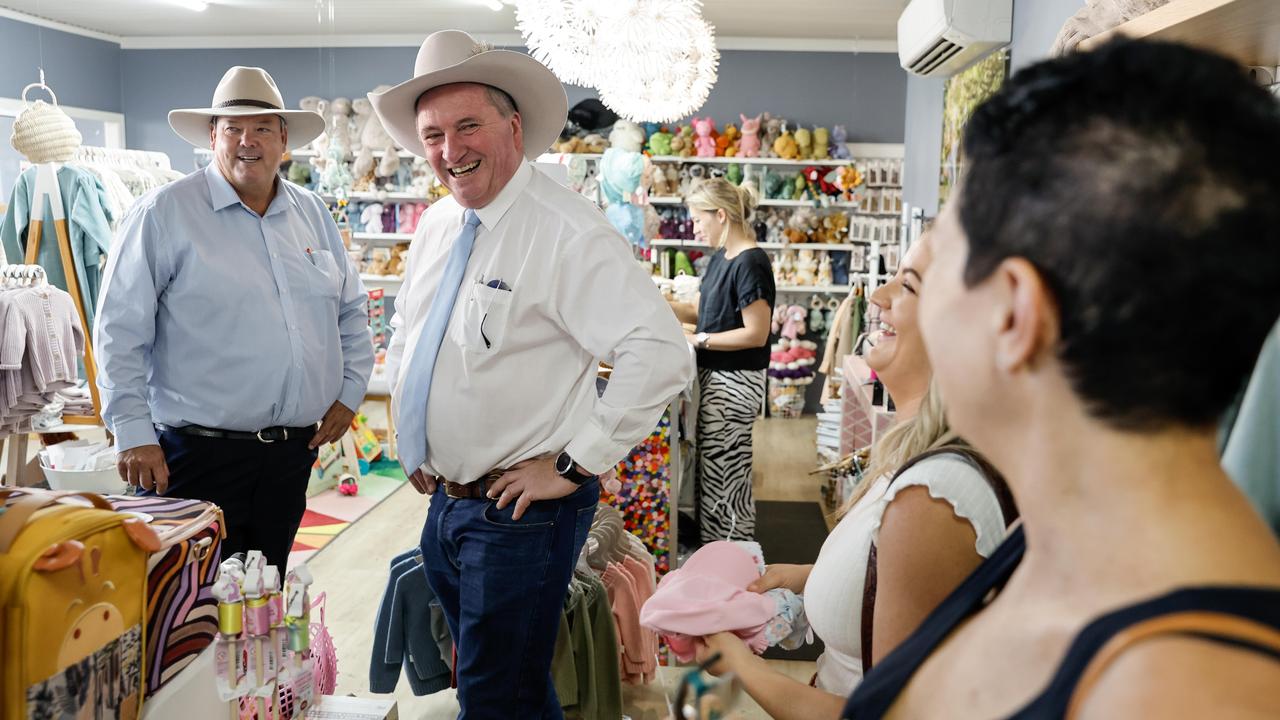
[[937, 38]]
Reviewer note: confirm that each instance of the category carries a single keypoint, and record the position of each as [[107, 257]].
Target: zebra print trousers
[[727, 409]]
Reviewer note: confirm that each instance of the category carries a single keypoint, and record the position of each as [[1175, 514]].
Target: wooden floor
[[352, 571]]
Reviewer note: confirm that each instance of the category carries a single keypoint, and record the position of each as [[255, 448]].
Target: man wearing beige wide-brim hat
[[514, 287], [232, 324]]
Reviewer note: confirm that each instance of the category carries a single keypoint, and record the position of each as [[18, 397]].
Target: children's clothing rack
[[47, 190]]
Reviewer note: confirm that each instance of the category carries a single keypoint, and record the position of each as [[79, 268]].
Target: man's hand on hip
[[336, 422], [422, 482], [534, 479], [144, 466]]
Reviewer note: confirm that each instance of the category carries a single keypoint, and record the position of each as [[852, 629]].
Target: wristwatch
[[701, 340], [567, 469]]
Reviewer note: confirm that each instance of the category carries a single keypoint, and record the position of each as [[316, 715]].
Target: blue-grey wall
[[84, 72], [923, 134], [866, 93], [1035, 25]]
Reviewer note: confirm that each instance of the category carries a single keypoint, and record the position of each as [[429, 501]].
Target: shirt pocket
[[323, 277], [483, 321]]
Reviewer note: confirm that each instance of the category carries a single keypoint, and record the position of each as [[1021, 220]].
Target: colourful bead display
[[644, 499]]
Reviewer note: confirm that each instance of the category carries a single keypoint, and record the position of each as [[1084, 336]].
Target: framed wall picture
[[963, 94]]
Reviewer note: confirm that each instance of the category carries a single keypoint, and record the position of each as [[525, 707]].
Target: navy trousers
[[502, 586], [261, 487]]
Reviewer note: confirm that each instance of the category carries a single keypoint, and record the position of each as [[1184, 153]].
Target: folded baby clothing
[[709, 595]]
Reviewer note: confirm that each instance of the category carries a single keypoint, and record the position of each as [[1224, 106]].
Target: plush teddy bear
[[395, 266], [660, 143], [594, 143], [727, 143], [627, 136], [806, 267], [339, 124], [804, 144], [682, 142], [840, 136], [749, 146], [361, 110], [785, 146], [705, 143], [772, 131], [313, 104], [821, 143]]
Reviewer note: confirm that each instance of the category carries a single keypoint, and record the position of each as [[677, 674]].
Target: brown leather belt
[[477, 490]]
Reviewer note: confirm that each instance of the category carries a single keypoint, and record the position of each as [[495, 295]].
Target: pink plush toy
[[793, 327], [749, 146], [409, 214], [705, 144]]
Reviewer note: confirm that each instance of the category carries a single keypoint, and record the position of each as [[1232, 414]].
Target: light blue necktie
[[411, 412]]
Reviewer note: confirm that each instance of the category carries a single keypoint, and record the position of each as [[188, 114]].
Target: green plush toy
[[798, 187], [775, 186], [682, 264], [660, 143], [734, 174], [299, 173], [821, 143]]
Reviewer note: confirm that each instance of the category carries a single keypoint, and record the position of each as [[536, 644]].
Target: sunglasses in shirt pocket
[[485, 313]]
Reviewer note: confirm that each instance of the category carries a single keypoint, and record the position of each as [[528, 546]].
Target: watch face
[[564, 463]]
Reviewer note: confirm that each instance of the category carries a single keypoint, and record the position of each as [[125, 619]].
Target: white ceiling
[[867, 25]]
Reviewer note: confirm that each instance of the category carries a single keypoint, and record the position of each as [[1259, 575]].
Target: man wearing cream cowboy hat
[[515, 286], [231, 322]]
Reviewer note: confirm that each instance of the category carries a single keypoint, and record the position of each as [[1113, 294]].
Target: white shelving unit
[[379, 196], [765, 246], [390, 284], [383, 238], [739, 160]]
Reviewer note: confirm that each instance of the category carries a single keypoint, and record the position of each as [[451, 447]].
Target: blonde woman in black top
[[732, 318]]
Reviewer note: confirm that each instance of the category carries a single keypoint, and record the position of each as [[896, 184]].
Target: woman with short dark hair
[[1100, 290]]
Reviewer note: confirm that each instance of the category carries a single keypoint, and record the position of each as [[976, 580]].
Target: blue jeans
[[502, 586]]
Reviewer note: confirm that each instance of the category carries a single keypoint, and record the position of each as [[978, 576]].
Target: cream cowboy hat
[[453, 56], [246, 91]]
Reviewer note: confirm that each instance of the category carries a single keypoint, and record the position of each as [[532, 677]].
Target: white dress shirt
[[516, 374]]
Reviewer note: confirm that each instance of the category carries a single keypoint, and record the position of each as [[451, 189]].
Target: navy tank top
[[881, 687]]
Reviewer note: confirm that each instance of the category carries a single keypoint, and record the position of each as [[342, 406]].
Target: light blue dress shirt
[[211, 315]]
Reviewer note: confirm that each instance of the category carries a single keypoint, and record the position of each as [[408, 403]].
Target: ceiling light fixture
[[561, 35], [661, 56], [193, 5]]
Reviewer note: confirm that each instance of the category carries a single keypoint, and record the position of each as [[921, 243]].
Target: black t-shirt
[[728, 286]]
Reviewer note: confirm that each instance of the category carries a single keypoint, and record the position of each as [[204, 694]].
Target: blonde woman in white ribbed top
[[930, 528]]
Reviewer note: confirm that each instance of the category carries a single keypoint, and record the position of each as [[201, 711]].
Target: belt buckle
[[284, 431]]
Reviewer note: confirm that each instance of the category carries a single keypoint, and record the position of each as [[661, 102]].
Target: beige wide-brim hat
[[246, 91], [453, 56]]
